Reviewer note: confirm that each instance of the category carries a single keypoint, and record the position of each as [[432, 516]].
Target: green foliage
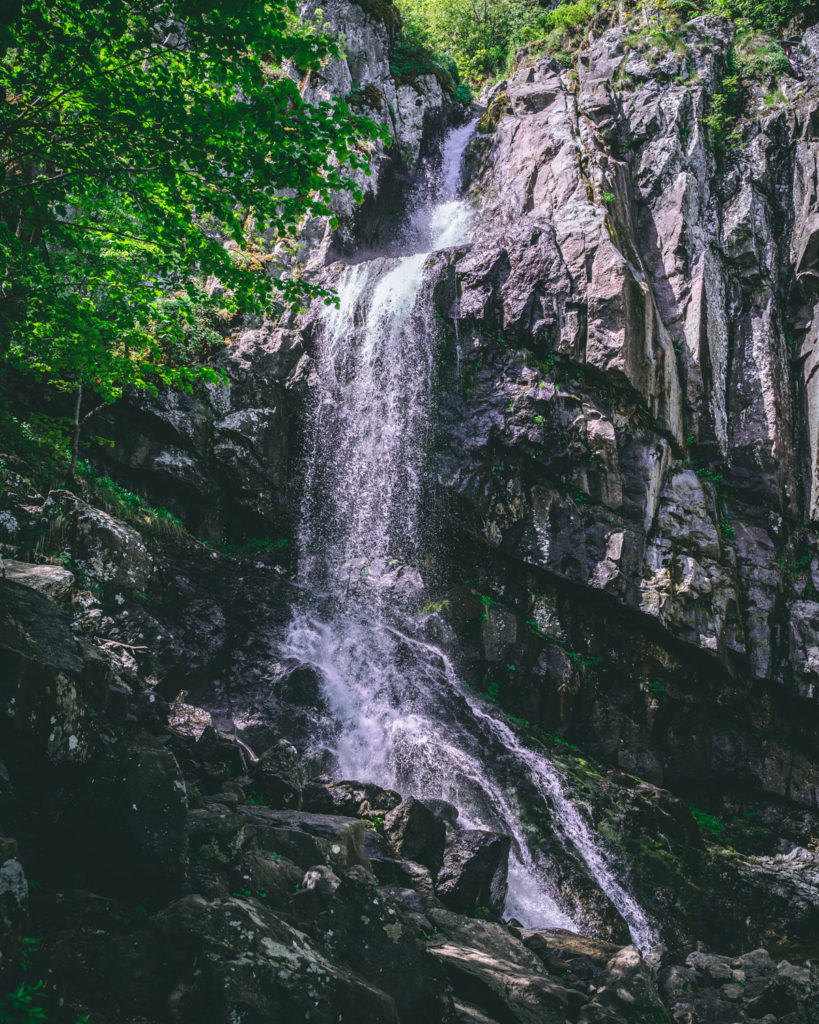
[[124, 504], [758, 56], [655, 689], [412, 58], [145, 146], [23, 1005], [40, 440], [257, 546], [185, 326], [483, 35], [707, 822], [769, 15], [722, 116], [246, 894], [256, 799], [476, 34]]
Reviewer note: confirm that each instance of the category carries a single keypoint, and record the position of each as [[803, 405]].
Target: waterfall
[[397, 714]]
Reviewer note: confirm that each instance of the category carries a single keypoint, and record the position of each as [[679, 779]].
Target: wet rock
[[474, 870], [278, 776], [356, 799], [416, 833]]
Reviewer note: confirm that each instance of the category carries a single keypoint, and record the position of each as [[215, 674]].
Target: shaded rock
[[230, 957], [490, 969], [278, 776], [586, 957], [51, 683], [626, 992], [218, 756], [139, 814], [356, 799], [321, 881], [474, 870], [267, 873], [416, 833], [308, 839]]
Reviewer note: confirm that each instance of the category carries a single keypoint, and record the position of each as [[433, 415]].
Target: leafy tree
[[477, 33], [147, 148]]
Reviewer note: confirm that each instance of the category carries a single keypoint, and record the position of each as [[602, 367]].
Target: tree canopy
[[144, 148]]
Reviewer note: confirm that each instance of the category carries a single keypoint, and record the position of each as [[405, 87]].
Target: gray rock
[[51, 580], [416, 833], [473, 873], [51, 683], [110, 553], [278, 776]]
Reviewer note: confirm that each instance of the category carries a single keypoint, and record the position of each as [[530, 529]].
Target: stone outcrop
[[622, 447]]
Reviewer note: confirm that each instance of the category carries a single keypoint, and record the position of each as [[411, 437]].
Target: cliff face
[[630, 447], [624, 470]]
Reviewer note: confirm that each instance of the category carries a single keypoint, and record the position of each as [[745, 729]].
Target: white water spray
[[398, 713]]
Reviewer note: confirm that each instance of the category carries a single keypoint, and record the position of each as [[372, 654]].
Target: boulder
[[136, 817], [488, 967], [356, 799], [416, 833], [109, 553], [233, 959], [278, 777], [51, 683], [474, 870], [308, 839], [52, 581]]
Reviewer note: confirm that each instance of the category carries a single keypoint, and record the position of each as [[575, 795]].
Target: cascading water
[[397, 713]]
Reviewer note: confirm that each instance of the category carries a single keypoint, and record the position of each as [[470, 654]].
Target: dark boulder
[[235, 960], [51, 683], [474, 871], [357, 799], [132, 827], [278, 777], [416, 833]]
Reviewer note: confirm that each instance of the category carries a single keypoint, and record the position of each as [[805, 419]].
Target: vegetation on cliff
[[482, 36]]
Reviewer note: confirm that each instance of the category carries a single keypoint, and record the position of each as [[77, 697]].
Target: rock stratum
[[624, 476]]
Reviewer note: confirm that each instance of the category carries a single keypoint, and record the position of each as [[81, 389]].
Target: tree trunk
[[75, 438]]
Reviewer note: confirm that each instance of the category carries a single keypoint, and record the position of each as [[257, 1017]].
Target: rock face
[[622, 450]]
